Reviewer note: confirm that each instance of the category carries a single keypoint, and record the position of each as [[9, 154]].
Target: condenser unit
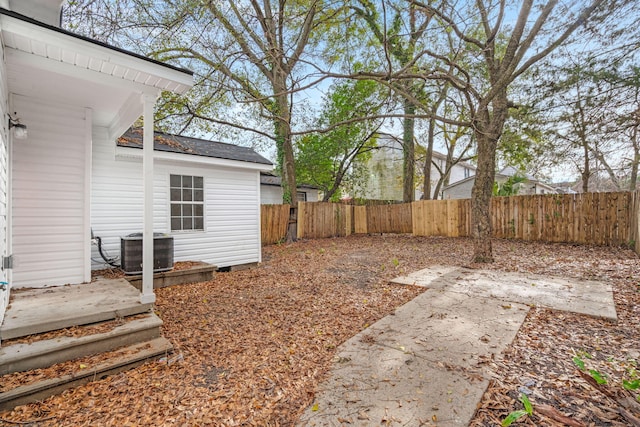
[[131, 253]]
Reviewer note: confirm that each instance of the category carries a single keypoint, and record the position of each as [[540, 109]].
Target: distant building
[[271, 190], [383, 179], [531, 185]]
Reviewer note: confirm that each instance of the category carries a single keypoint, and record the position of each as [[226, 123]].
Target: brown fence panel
[[610, 219], [274, 220], [588, 218], [634, 221], [388, 218], [318, 220], [360, 219], [441, 217]]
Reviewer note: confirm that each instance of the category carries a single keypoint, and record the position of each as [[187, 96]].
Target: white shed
[[206, 195]]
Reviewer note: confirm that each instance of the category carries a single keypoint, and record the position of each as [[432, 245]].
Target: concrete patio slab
[[578, 296], [417, 366], [420, 365]]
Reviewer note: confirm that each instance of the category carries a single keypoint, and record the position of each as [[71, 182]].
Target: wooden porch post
[[147, 296]]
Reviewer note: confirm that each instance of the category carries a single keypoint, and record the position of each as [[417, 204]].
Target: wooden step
[[121, 360], [40, 354], [38, 310]]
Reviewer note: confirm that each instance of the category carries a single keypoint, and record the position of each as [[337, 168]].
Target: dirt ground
[[251, 346]]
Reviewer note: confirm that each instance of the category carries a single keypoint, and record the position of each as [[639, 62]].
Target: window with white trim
[[301, 196], [187, 202]]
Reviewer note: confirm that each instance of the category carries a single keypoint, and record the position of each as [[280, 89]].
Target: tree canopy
[[530, 83]]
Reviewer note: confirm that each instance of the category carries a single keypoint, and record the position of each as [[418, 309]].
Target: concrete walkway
[[419, 366]]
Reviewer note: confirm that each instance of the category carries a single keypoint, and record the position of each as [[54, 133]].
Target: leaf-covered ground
[[253, 345]]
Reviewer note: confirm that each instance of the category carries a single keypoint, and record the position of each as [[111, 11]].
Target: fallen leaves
[[253, 345], [542, 358]]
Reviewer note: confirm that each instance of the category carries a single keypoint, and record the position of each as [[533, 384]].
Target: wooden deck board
[[38, 310]]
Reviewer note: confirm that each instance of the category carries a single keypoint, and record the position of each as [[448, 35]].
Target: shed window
[[187, 202], [301, 196]]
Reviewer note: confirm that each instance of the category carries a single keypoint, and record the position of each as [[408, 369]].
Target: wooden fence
[[274, 220], [587, 218], [635, 221], [609, 219], [317, 220], [383, 218], [442, 218]]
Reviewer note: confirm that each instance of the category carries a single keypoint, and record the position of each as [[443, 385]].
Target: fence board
[[318, 220], [360, 219], [634, 232], [274, 220]]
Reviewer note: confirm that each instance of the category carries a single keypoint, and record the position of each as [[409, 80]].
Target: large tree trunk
[[481, 198], [286, 159], [634, 172], [426, 192], [488, 128], [408, 147], [636, 160], [586, 171]]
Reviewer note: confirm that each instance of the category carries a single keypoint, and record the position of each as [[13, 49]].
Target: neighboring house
[[459, 171], [383, 180], [566, 187], [75, 96], [271, 190], [598, 184], [462, 189], [206, 195]]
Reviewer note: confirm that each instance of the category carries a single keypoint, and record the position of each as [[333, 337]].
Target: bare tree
[[401, 41], [251, 54], [506, 49]]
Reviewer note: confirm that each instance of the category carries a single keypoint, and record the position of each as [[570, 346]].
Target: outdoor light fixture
[[19, 129]]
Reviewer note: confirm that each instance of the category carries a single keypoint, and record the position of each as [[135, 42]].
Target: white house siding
[[270, 195], [232, 199], [311, 194], [461, 190], [50, 180], [4, 185], [458, 172]]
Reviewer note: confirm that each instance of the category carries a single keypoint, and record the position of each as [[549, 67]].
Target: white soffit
[[60, 47]]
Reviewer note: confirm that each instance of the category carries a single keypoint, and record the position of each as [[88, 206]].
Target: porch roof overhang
[[52, 64]]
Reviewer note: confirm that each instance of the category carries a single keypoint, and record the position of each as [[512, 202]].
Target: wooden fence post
[[301, 220]]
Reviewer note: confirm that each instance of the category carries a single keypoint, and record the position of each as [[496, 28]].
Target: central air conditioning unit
[[131, 253]]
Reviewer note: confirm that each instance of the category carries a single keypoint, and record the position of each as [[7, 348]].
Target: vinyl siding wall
[[50, 181], [232, 204], [4, 184], [459, 191], [272, 194]]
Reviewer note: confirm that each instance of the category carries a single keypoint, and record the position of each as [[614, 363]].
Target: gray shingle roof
[[193, 146], [269, 178]]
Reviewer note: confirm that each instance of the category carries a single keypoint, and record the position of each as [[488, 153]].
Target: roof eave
[[47, 41], [132, 152]]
